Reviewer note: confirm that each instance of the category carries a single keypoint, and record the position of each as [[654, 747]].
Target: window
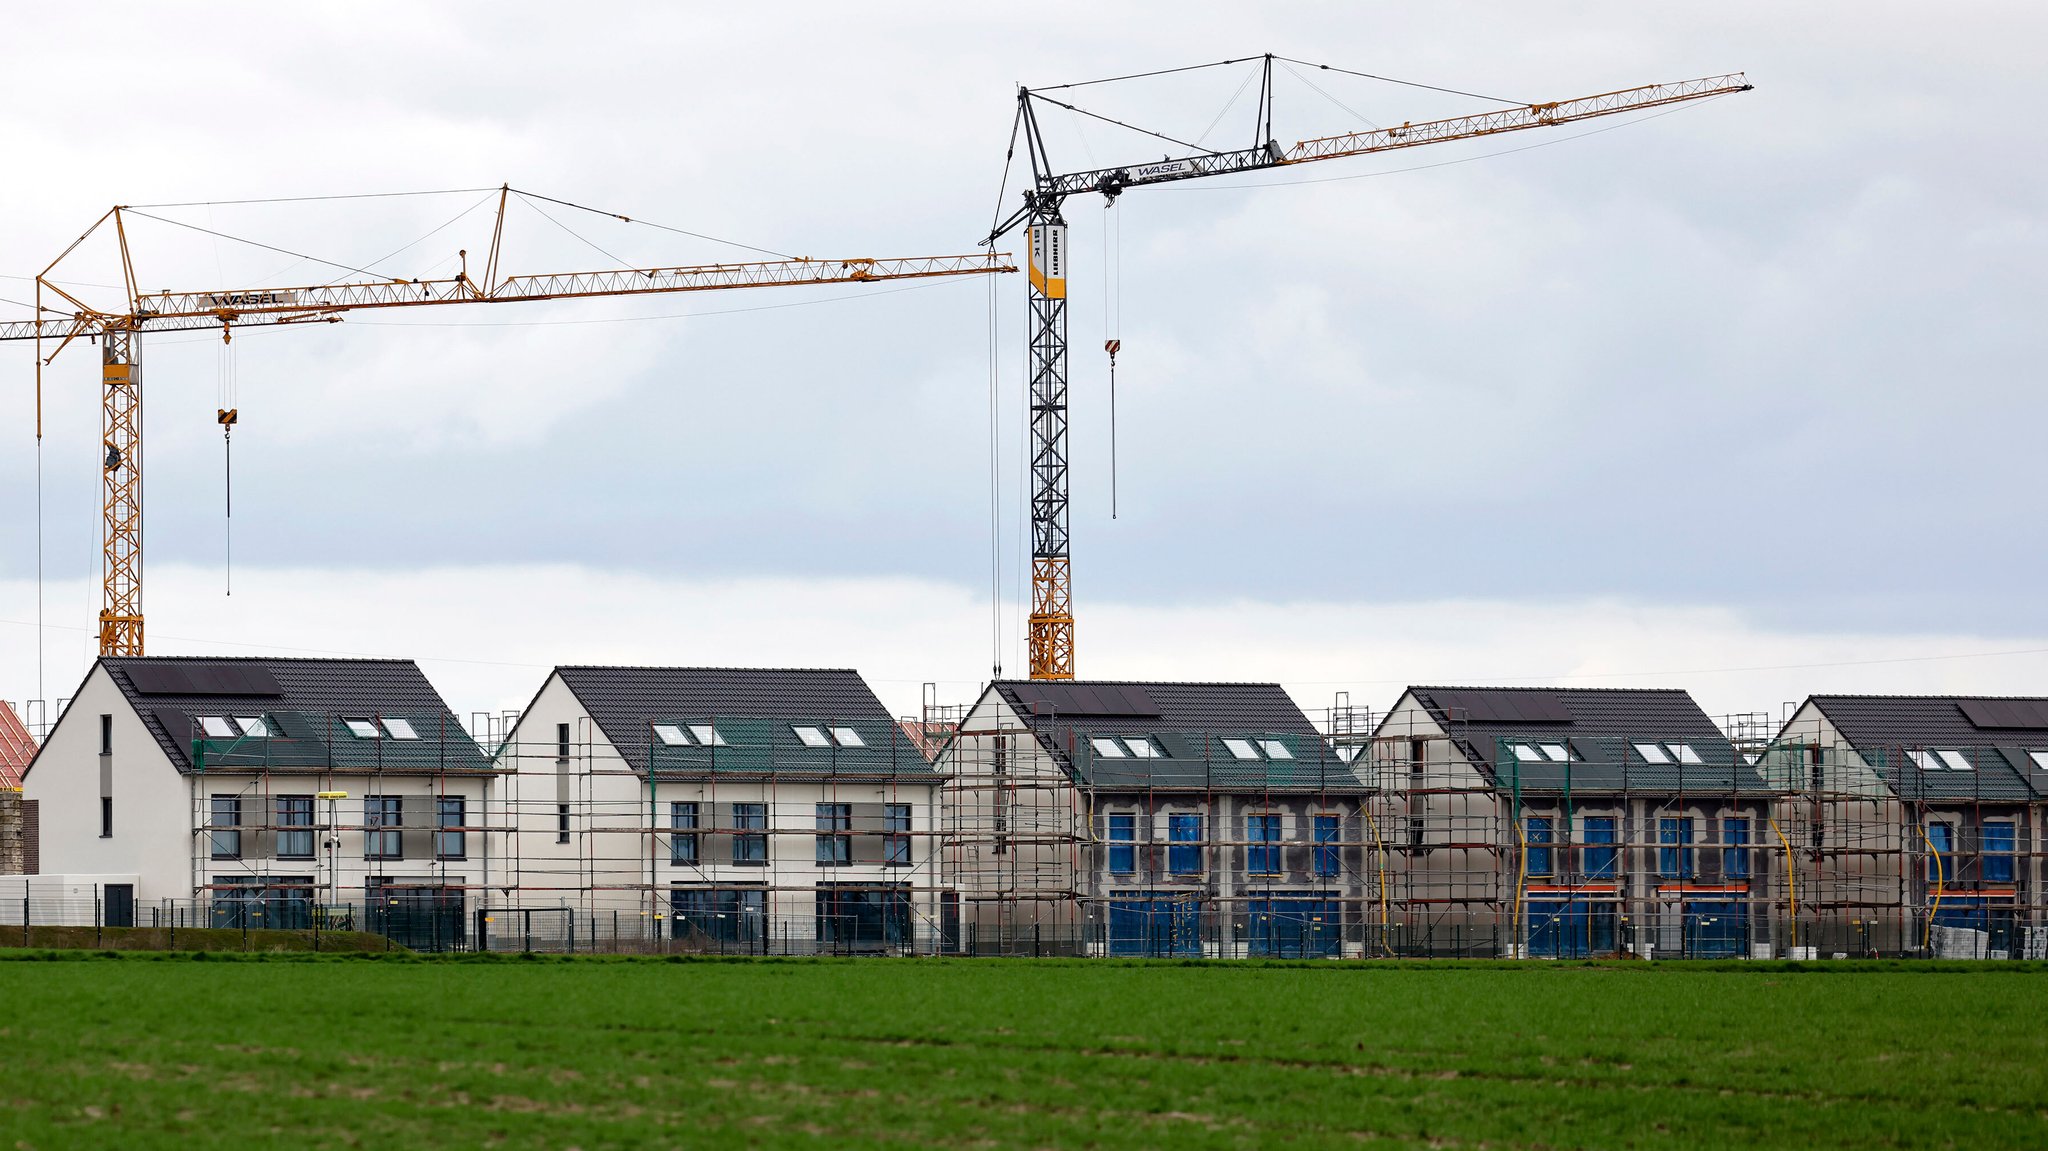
[[682, 840], [561, 823], [1275, 749], [1651, 753], [361, 728], [750, 843], [671, 735], [1184, 843], [106, 817], [216, 727], [226, 813], [1684, 753], [1241, 748], [1415, 831], [1942, 867], [561, 741], [451, 814], [811, 737], [253, 726], [1526, 753], [1555, 752], [106, 735], [1418, 756], [1143, 747], [896, 844], [2040, 758], [398, 728], [835, 850], [1536, 834], [295, 827], [1735, 848], [847, 737], [1328, 859], [383, 816], [1674, 853], [1599, 858], [2000, 840], [1107, 748], [1925, 760], [707, 735], [727, 916], [1123, 834], [1262, 829], [1956, 761]]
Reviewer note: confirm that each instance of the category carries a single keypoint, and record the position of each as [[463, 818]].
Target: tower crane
[[1050, 634], [120, 331]]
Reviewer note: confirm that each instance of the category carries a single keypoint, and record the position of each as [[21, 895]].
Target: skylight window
[[253, 726], [362, 728], [216, 727], [1142, 747], [671, 735], [1925, 760], [1241, 748], [1685, 753], [811, 737], [399, 728], [1107, 748], [848, 737], [707, 735], [1526, 753], [1275, 749], [1956, 761], [1651, 753], [2040, 759], [1555, 752]]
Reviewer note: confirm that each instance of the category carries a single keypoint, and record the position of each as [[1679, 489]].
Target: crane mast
[[1050, 634], [119, 334]]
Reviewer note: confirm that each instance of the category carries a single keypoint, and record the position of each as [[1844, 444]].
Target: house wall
[[1012, 834], [1442, 833], [1852, 840]]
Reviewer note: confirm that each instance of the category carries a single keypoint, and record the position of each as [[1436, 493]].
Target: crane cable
[[1112, 326], [227, 416]]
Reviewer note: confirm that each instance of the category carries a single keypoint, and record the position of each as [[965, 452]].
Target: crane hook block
[[228, 416], [1112, 347]]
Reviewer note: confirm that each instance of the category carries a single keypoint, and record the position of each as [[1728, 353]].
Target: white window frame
[[707, 735], [216, 727], [362, 728], [398, 727], [1527, 753], [1275, 749], [1956, 760], [1142, 747], [1685, 755], [1563, 754], [1652, 753], [1107, 748], [1925, 760], [847, 737], [1240, 748], [671, 735], [253, 726], [811, 736]]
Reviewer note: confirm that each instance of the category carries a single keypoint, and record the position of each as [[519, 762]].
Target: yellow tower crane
[[1050, 634], [120, 332]]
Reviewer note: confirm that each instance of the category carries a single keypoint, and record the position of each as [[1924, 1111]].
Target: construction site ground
[[140, 1050]]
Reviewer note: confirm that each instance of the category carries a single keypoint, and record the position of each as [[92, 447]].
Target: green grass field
[[176, 1051]]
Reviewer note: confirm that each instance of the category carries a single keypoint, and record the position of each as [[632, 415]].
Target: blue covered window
[[1262, 830], [1328, 862], [1537, 833], [1735, 848], [1674, 851], [1123, 835], [1942, 867], [2000, 840], [1184, 852], [1599, 857]]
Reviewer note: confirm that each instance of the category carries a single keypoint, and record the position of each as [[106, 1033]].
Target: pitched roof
[[755, 711], [1993, 733], [16, 748], [1607, 732], [304, 704], [1188, 725]]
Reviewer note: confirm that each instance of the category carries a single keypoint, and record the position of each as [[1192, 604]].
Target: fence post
[[97, 916]]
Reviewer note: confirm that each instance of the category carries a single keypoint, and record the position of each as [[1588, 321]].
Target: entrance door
[[120, 904]]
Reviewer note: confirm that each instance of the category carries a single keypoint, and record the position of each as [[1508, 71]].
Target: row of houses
[[787, 810]]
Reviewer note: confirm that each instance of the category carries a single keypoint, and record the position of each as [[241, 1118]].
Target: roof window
[[1684, 753], [1107, 748], [1925, 760], [1652, 753], [216, 727], [811, 737], [2040, 759], [1240, 748], [848, 737], [707, 735], [1275, 749], [671, 735], [1142, 747], [362, 728], [1555, 752], [253, 726], [398, 728], [1525, 753], [1956, 760]]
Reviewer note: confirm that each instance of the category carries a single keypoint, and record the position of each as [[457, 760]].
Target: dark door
[[120, 904]]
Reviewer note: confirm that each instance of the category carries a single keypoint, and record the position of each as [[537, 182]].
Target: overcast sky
[[1742, 386]]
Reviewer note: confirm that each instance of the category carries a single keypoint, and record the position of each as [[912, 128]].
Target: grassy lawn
[[289, 1051]]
